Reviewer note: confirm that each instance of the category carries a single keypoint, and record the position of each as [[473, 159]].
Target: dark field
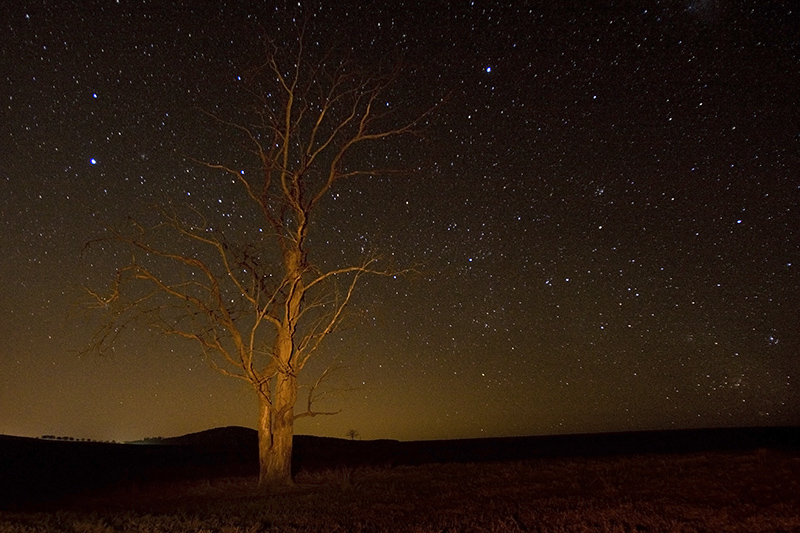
[[711, 480]]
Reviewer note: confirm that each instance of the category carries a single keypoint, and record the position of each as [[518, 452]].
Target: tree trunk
[[275, 434]]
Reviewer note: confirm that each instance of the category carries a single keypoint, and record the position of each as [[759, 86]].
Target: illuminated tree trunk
[[275, 434]]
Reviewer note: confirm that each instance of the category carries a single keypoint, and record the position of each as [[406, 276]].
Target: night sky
[[604, 211]]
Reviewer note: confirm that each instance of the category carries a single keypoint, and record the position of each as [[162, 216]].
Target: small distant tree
[[251, 297], [353, 434]]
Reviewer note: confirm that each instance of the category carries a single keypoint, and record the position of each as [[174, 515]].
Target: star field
[[603, 214]]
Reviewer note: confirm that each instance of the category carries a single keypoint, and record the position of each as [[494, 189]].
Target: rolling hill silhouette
[[39, 470]]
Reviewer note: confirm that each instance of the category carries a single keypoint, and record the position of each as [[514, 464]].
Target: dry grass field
[[746, 491]]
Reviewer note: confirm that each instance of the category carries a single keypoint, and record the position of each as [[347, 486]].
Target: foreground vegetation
[[755, 491]]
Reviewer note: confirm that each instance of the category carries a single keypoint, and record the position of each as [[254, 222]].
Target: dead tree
[[253, 300]]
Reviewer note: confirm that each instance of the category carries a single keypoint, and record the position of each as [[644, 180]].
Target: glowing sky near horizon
[[605, 214]]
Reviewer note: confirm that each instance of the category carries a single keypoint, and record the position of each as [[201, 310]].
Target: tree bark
[[275, 434]]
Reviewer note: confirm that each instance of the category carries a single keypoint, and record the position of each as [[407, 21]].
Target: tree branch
[[314, 395]]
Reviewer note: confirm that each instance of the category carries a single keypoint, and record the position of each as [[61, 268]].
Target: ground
[[755, 491]]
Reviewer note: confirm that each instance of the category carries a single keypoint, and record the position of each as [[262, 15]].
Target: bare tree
[[251, 297]]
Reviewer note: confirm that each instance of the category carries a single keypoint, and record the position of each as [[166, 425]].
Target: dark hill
[[38, 470], [41, 470], [323, 452], [224, 437], [315, 452]]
